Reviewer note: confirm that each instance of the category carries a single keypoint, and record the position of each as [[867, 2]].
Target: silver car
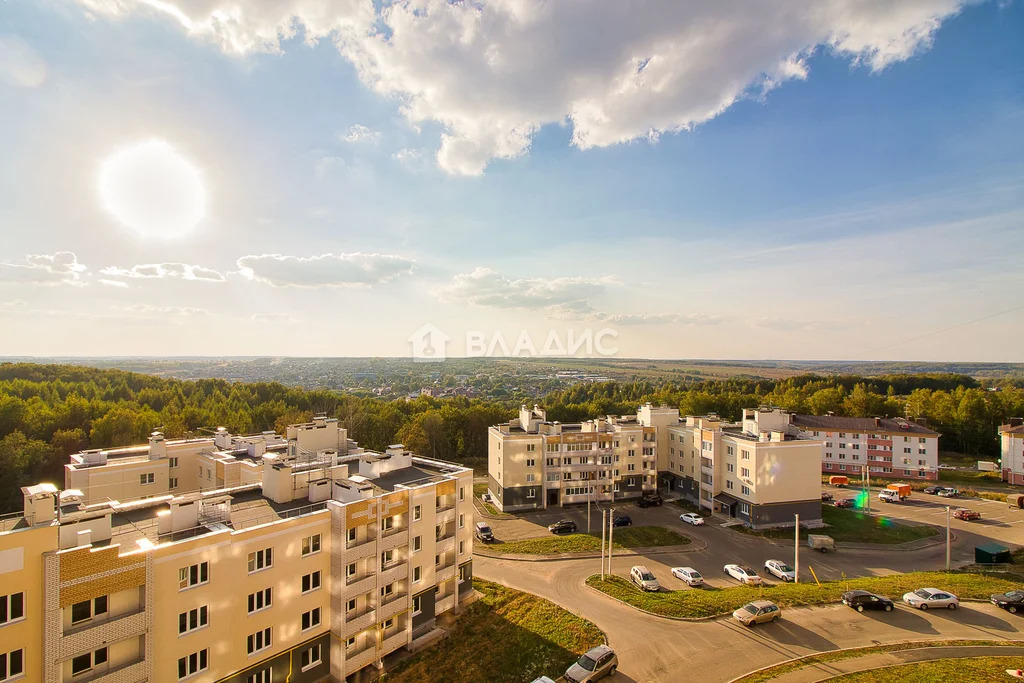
[[599, 662], [927, 598]]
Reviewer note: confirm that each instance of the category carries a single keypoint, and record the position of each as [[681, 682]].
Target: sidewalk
[[695, 544], [823, 671]]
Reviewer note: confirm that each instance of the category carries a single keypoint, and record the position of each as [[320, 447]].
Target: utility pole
[[604, 515], [947, 538], [867, 483], [796, 551], [611, 531], [590, 494]]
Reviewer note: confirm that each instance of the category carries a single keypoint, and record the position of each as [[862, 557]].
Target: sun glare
[[153, 190]]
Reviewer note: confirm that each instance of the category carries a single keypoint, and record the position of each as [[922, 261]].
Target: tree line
[[48, 412]]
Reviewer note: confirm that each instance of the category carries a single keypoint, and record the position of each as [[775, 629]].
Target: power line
[[945, 329]]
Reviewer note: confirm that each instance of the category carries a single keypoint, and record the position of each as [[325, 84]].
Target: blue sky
[[851, 181]]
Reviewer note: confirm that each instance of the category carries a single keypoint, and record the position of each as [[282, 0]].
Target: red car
[[844, 503], [965, 514]]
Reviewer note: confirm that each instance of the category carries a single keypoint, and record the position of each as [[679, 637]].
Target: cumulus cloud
[[487, 287], [360, 133], [20, 65], [409, 157], [150, 271], [492, 72], [61, 268], [325, 270]]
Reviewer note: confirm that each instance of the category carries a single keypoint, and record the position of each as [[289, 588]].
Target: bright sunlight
[[153, 190]]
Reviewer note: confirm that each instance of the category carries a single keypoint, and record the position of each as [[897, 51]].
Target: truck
[[987, 466], [838, 480], [821, 543], [902, 489]]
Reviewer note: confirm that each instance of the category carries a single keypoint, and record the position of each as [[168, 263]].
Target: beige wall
[[21, 570], [787, 471]]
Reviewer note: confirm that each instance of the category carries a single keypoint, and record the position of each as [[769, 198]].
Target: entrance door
[[553, 497]]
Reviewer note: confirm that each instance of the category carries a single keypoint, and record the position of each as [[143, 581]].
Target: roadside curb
[[700, 544], [484, 513], [906, 546], [923, 643]]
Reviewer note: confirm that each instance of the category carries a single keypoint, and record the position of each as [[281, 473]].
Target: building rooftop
[[861, 424]]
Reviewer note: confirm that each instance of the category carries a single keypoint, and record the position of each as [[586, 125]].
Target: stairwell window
[[416, 513], [193, 575], [148, 478], [311, 544]]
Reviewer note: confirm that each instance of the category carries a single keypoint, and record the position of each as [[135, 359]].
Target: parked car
[[949, 492], [563, 526], [649, 500], [1012, 602], [643, 578], [622, 520], [825, 496], [932, 490], [844, 503], [688, 575], [542, 679], [821, 543], [862, 600], [597, 663], [946, 467], [691, 518], [483, 532], [742, 574], [926, 598], [780, 569], [966, 515], [486, 498], [758, 612], [889, 496]]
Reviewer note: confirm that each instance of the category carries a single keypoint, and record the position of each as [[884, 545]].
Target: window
[[729, 450], [416, 543], [744, 472], [12, 664], [351, 642], [262, 676], [83, 611], [387, 590], [311, 544], [745, 455], [532, 493], [192, 620], [728, 483], [144, 479], [86, 662], [416, 513], [842, 445], [908, 472], [462, 547], [631, 481], [856, 446], [387, 523], [464, 573], [729, 467], [906, 449], [310, 657], [258, 641], [745, 508], [261, 559], [350, 606], [193, 575], [417, 604], [437, 560], [311, 619], [531, 447], [922, 451], [462, 493], [173, 482], [194, 663], [172, 462], [745, 490], [352, 535], [310, 582], [842, 435], [12, 607], [350, 569], [416, 574], [921, 439], [260, 600], [386, 624], [630, 467], [529, 478], [462, 521], [386, 558]]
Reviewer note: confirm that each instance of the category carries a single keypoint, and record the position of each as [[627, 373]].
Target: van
[[902, 489], [643, 578], [889, 496], [483, 532], [838, 480]]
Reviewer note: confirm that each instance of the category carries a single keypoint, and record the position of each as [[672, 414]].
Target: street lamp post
[[611, 532], [796, 550], [604, 514], [947, 538]]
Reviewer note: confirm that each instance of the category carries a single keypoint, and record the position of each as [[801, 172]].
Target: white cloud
[[492, 72], [360, 133], [409, 157], [150, 311], [61, 268], [487, 287], [585, 312], [13, 304], [271, 318], [20, 64], [113, 283], [152, 271], [326, 270]]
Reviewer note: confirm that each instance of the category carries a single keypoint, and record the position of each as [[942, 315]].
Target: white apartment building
[[1011, 442]]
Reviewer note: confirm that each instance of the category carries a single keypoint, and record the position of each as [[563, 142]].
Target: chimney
[[1016, 421], [878, 422]]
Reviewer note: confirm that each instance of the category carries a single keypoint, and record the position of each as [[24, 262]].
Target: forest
[[48, 412]]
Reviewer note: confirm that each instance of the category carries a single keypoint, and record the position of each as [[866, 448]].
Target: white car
[[780, 569], [926, 598], [643, 578], [946, 467], [691, 518], [688, 575], [742, 574], [948, 493]]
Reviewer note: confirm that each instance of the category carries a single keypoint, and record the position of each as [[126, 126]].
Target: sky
[[730, 180]]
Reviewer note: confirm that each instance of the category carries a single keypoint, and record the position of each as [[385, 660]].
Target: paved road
[[654, 649]]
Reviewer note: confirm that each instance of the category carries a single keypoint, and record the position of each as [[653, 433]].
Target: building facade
[[322, 567], [1011, 443]]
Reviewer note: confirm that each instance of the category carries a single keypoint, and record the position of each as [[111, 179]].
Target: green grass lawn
[[853, 527], [478, 491], [707, 602], [624, 537], [506, 635], [967, 482], [688, 506], [838, 655], [970, 670]]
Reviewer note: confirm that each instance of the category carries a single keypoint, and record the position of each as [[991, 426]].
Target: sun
[[153, 190]]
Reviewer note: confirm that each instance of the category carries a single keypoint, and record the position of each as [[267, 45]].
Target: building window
[[12, 607], [387, 590], [417, 604], [531, 447], [921, 439], [744, 508], [192, 620], [856, 446], [260, 600], [462, 547], [193, 575], [86, 610], [842, 467], [729, 450], [416, 574], [462, 493], [922, 451], [386, 558], [630, 467], [352, 535], [842, 445], [12, 664], [529, 478], [172, 462], [309, 657], [416, 513], [311, 544], [842, 435], [416, 543], [745, 472], [908, 472], [311, 582], [350, 569], [144, 479], [728, 484], [462, 521], [257, 642], [83, 663], [311, 619], [745, 490], [631, 481], [173, 482], [464, 572], [745, 455], [261, 559], [192, 664], [350, 606], [351, 642], [906, 449], [262, 676], [530, 462], [532, 493]]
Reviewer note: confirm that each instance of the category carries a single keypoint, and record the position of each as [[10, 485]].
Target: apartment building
[[534, 463], [756, 473], [1011, 442], [319, 569]]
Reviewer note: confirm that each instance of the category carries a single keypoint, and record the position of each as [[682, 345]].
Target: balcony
[[395, 539], [395, 571], [361, 550], [710, 471], [446, 516], [444, 572], [396, 604], [445, 544], [394, 642], [445, 604], [354, 625], [357, 660], [360, 584], [91, 636], [132, 671]]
